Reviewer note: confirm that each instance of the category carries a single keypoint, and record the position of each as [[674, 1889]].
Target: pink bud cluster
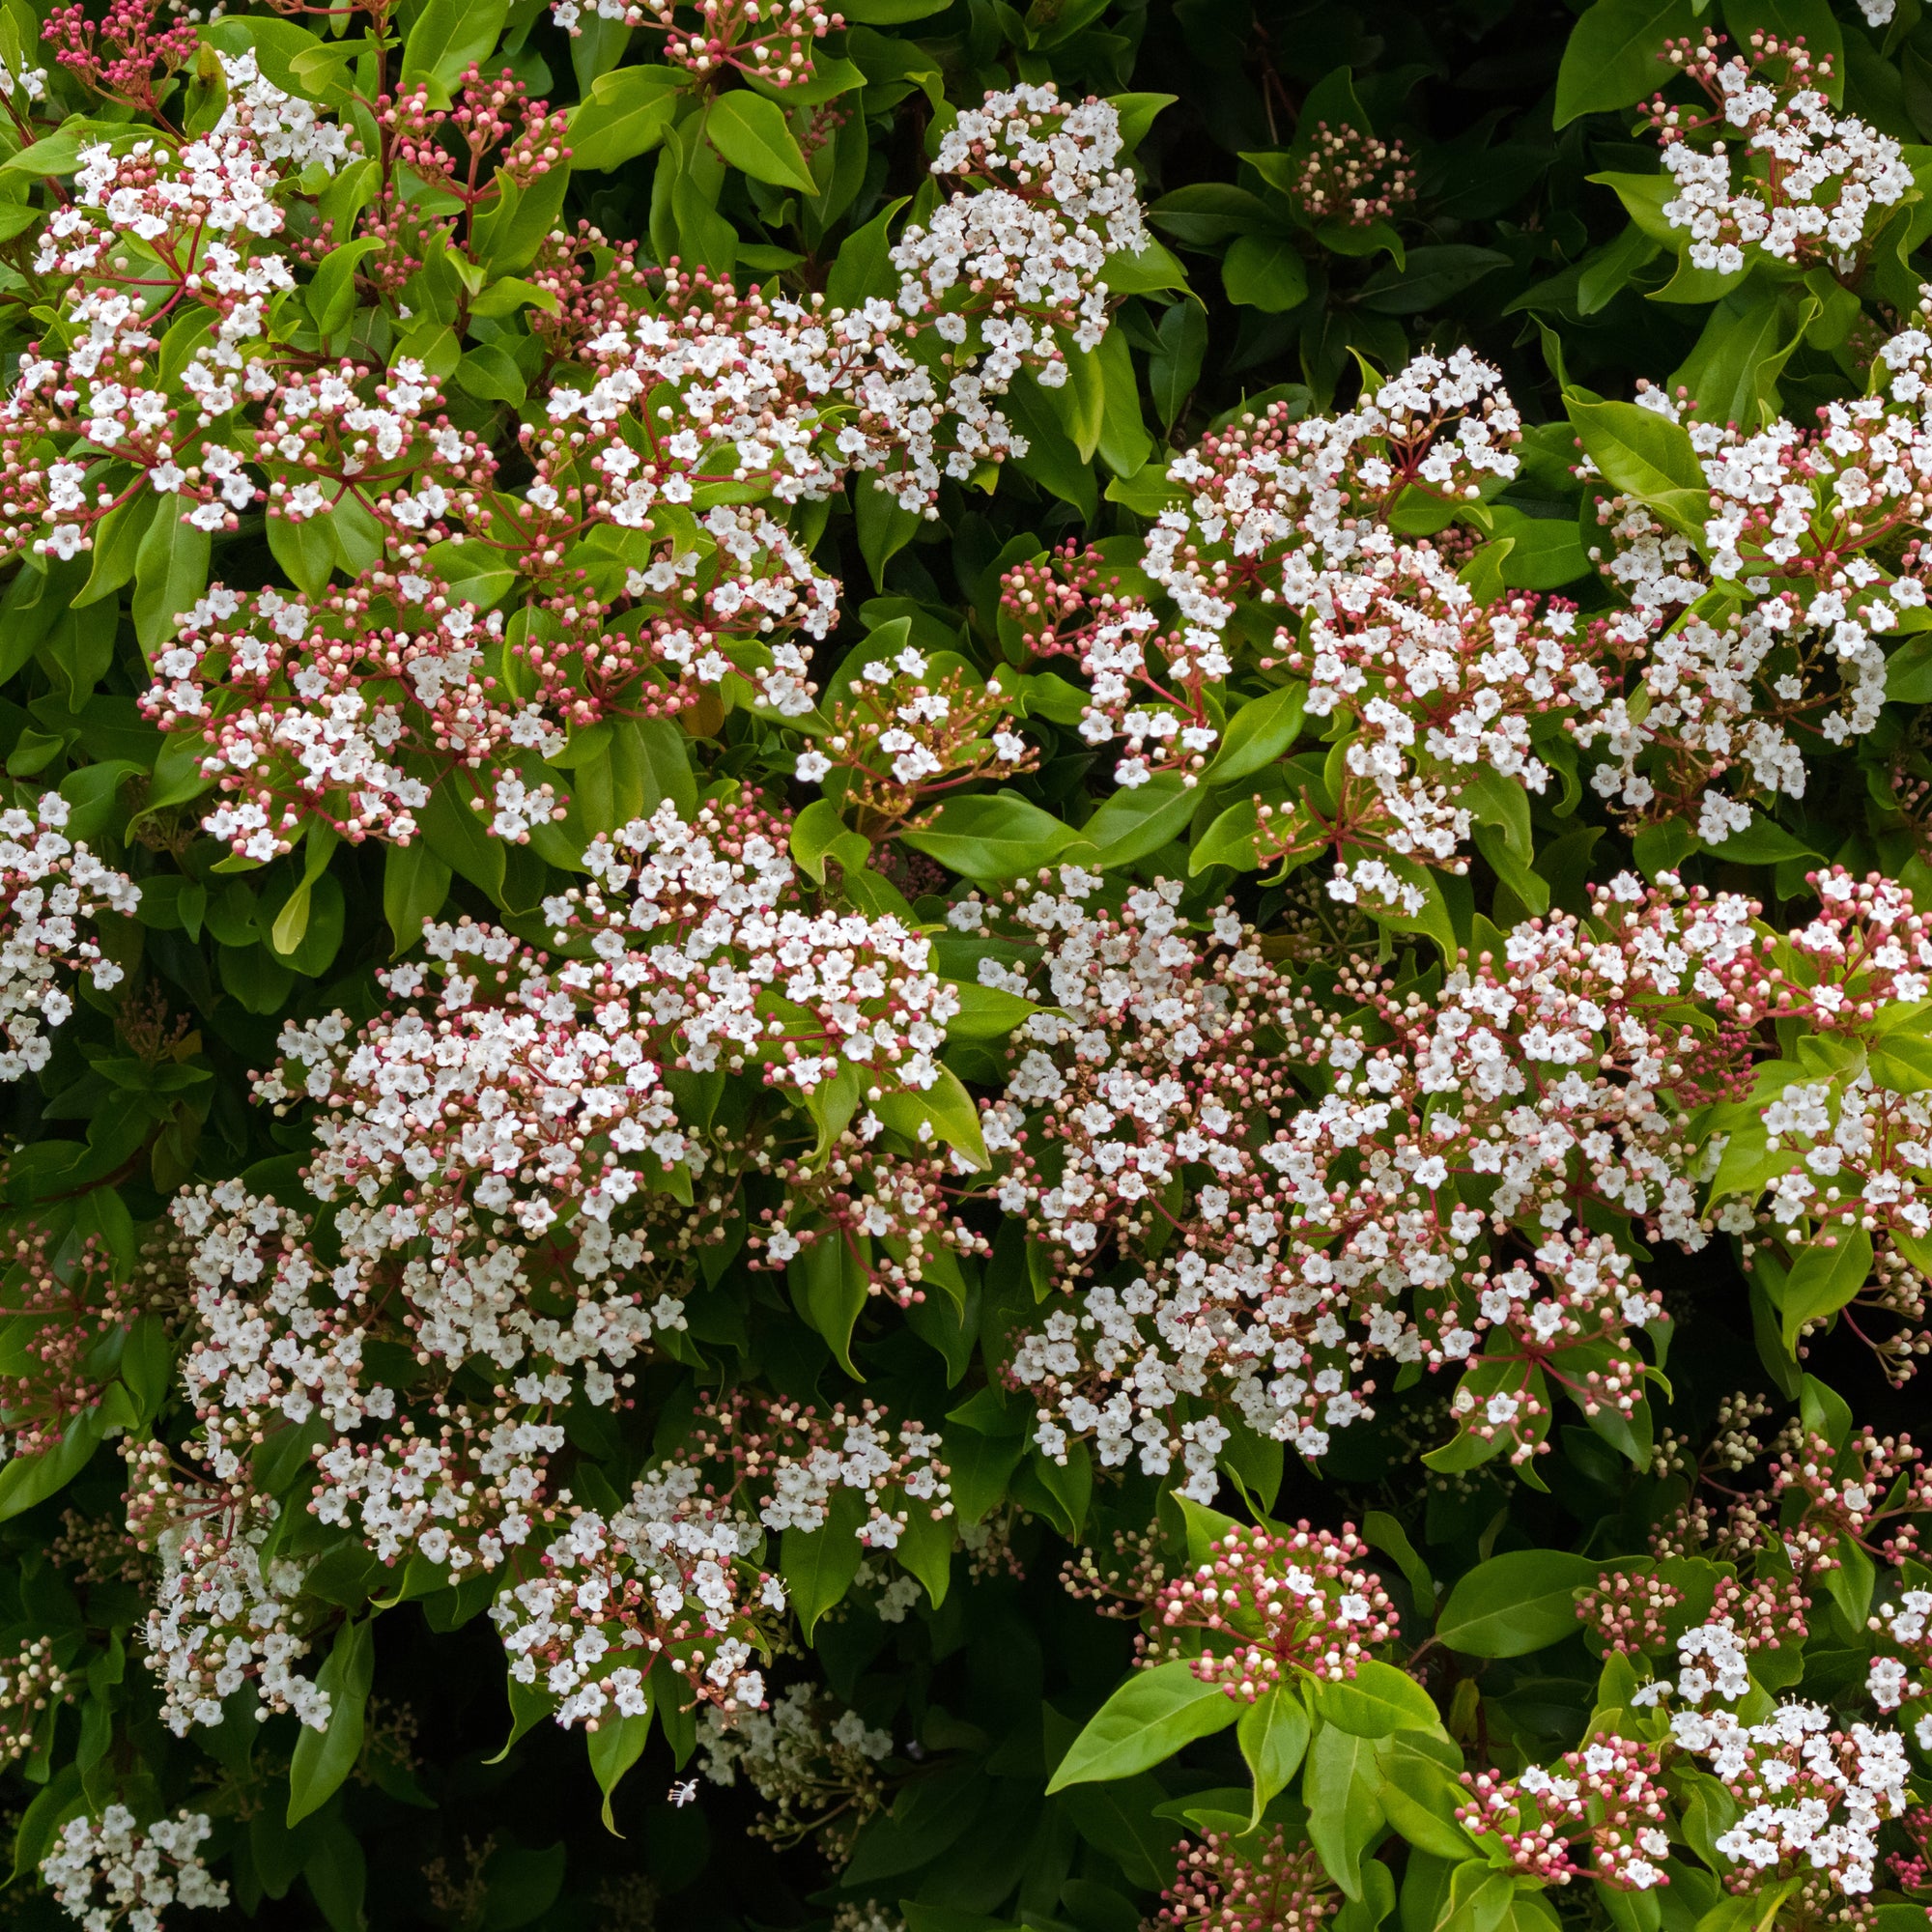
[[1224, 1883], [1268, 1606], [31, 1686], [117, 55], [1352, 177], [769, 40], [1629, 1613], [1609, 1794], [65, 1304]]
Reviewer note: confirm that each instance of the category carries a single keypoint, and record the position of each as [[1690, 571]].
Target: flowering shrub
[[965, 968]]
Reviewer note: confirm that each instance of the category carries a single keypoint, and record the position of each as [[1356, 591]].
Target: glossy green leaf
[[1154, 1713]]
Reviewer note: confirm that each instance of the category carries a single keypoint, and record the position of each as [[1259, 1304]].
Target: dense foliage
[[966, 969]]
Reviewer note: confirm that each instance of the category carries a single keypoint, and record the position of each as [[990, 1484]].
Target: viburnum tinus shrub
[[964, 969]]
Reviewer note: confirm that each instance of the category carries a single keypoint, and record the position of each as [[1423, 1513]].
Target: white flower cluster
[[1271, 499], [1812, 1796], [221, 1620], [860, 1454], [206, 211], [1441, 685], [348, 713], [114, 1872], [815, 1765], [790, 1750], [665, 1577], [1276, 512], [791, 399], [1907, 1624], [868, 984], [1829, 181], [1055, 209], [1296, 1241], [1798, 602], [50, 884], [30, 83]]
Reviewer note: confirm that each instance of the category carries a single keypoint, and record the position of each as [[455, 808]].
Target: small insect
[[681, 1795]]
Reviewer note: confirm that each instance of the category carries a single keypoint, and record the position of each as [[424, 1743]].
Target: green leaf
[[1081, 401], [986, 1012], [170, 574], [291, 923], [529, 1705], [458, 836], [1265, 271], [830, 1289], [1051, 458], [117, 544], [1515, 1602], [885, 526], [1823, 1279], [996, 837], [1762, 843], [306, 548], [522, 220], [1381, 1531], [945, 1108], [1117, 1819], [1228, 841], [819, 834], [1751, 335], [447, 36], [1273, 1734], [1259, 734], [1495, 800], [55, 154], [27, 1480], [1339, 1787], [1614, 56], [337, 1875], [1149, 1718], [1139, 820], [1646, 455], [625, 115], [1378, 1701], [818, 1565], [1175, 366], [1206, 214], [751, 132], [1545, 552], [324, 1758], [1428, 277], [1421, 1791], [863, 267], [489, 373], [616, 1746], [332, 292], [416, 883]]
